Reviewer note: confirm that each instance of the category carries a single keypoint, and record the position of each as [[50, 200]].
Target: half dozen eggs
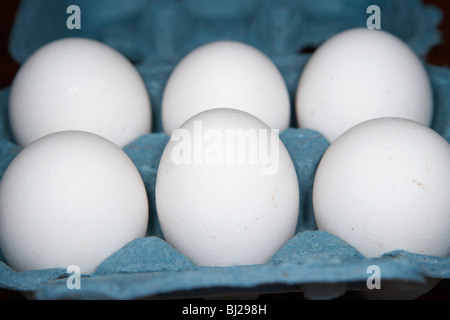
[[226, 189]]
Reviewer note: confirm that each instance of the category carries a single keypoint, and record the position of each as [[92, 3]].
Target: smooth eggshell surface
[[79, 84], [226, 74], [223, 200], [384, 185], [362, 74], [70, 198]]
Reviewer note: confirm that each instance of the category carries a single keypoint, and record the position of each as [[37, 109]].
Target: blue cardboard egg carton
[[155, 35]]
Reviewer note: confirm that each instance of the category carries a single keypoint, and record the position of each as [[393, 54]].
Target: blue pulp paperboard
[[155, 35]]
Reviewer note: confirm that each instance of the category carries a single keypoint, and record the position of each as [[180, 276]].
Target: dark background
[[438, 55]]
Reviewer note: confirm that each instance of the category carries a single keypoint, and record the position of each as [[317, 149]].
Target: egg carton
[[155, 35]]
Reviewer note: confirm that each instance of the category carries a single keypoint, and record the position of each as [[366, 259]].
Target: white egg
[[361, 74], [226, 190], [70, 198], [79, 84], [384, 185], [226, 74]]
